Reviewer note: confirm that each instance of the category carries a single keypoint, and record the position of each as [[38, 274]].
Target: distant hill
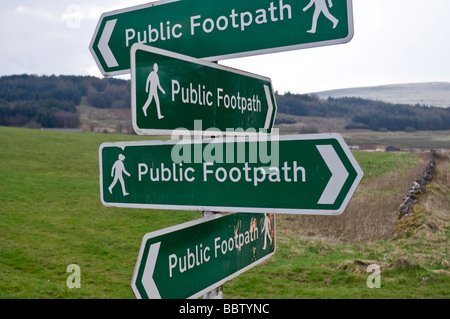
[[431, 93], [362, 113], [52, 101], [91, 104]]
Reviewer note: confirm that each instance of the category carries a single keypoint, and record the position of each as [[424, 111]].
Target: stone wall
[[417, 188]]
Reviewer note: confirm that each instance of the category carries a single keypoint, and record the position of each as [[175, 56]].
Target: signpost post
[[217, 30], [170, 91], [300, 174], [188, 260]]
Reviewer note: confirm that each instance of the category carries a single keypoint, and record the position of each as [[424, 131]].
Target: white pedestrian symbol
[[266, 230], [151, 87], [321, 7], [117, 170]]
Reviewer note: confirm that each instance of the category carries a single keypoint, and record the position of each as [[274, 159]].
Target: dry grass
[[116, 121], [371, 214], [433, 210]]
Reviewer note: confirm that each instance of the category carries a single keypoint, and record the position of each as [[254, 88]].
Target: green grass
[[376, 164], [313, 269], [51, 217]]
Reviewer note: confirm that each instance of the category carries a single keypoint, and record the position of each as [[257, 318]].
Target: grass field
[[51, 217]]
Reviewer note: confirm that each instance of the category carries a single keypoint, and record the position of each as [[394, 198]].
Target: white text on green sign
[[301, 174], [219, 30], [188, 260], [170, 91]]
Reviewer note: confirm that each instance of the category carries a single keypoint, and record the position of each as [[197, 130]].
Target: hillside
[[362, 113], [103, 105], [52, 101], [430, 93]]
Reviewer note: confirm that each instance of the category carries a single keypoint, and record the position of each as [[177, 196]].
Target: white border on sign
[[274, 210], [107, 14], [158, 132], [348, 38], [187, 225]]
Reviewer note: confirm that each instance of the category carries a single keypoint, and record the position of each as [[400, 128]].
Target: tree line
[[51, 101], [367, 114]]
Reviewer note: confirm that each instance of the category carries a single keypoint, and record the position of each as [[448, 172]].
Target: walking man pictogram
[[117, 170], [152, 86], [266, 230], [321, 7]]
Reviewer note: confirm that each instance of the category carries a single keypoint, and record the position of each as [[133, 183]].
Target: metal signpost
[[217, 30], [188, 260], [170, 91], [300, 174]]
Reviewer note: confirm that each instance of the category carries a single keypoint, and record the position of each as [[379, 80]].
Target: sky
[[395, 41]]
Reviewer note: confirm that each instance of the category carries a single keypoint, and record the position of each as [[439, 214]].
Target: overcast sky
[[396, 41]]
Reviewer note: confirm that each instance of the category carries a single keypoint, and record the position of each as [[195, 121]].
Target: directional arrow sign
[[172, 91], [300, 174], [190, 259], [218, 30]]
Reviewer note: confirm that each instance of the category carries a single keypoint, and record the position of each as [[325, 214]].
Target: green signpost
[[175, 93], [218, 30], [300, 174], [170, 91], [188, 260]]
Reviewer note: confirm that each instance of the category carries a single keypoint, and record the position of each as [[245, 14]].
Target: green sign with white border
[[217, 30], [171, 91], [190, 259], [298, 174]]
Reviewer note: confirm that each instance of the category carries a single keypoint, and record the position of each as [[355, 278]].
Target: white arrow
[[147, 277], [103, 44], [269, 111], [338, 174]]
